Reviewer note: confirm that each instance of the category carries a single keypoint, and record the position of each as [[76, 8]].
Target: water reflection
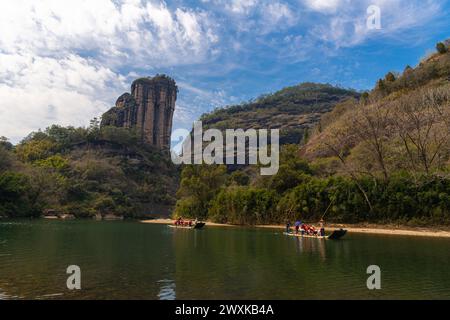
[[167, 290], [309, 245], [49, 296], [127, 260], [5, 296]]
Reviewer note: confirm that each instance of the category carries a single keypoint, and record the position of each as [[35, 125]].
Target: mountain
[[293, 110]]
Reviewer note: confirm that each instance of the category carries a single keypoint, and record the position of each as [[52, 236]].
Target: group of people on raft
[[307, 229], [180, 222]]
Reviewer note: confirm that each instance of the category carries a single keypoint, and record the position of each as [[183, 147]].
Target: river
[[130, 260]]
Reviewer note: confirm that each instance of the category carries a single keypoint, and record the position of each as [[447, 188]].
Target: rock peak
[[148, 108]]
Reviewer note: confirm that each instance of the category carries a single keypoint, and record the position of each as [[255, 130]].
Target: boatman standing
[[322, 227], [288, 227]]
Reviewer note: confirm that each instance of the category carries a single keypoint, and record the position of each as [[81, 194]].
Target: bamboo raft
[[335, 235], [198, 225]]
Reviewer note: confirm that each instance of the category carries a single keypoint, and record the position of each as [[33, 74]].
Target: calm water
[[129, 260]]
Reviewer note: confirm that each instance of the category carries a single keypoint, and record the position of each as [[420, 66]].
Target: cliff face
[[148, 109]]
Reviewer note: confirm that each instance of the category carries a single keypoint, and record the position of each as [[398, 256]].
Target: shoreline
[[360, 228]]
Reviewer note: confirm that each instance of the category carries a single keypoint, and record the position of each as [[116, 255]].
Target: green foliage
[[6, 157], [364, 98], [390, 77], [122, 136], [15, 194], [243, 205], [66, 136], [303, 191], [400, 198], [292, 171], [55, 162], [240, 178], [441, 48], [86, 172], [190, 207], [34, 149], [381, 85], [310, 200], [199, 184], [5, 143]]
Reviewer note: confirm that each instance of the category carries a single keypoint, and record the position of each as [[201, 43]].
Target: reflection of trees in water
[[118, 260], [219, 263], [245, 263], [310, 245]]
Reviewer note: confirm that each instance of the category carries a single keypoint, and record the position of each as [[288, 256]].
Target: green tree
[[15, 189], [240, 178], [381, 85], [364, 98], [390, 77], [243, 206], [441, 48], [199, 185], [35, 149]]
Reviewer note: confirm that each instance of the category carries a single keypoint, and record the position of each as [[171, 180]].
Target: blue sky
[[67, 61]]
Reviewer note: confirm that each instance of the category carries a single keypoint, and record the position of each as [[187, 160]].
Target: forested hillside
[[293, 110], [85, 172], [384, 157]]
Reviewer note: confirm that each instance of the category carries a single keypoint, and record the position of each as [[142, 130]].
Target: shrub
[[441, 48], [390, 77]]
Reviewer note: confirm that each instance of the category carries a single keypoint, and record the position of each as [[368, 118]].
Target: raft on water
[[198, 225], [336, 235]]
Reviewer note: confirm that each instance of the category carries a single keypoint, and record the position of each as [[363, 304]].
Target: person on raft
[[288, 227], [322, 228], [309, 230], [298, 224]]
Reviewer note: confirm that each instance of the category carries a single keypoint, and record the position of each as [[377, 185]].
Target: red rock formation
[[149, 108]]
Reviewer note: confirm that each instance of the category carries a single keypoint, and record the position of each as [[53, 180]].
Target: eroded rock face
[[149, 109]]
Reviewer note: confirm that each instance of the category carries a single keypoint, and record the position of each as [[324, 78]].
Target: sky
[[66, 62]]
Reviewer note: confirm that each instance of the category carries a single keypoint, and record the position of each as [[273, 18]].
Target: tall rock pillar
[[149, 109]]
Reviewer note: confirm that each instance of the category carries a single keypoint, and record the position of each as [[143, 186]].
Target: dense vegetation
[[382, 158], [293, 110], [84, 172]]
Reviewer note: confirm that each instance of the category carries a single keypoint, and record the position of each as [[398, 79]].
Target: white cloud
[[67, 61], [39, 91], [323, 5], [276, 15], [241, 6], [347, 26], [144, 29], [60, 61], [256, 16]]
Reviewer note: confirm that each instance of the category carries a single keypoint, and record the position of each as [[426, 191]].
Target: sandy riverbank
[[370, 228]]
